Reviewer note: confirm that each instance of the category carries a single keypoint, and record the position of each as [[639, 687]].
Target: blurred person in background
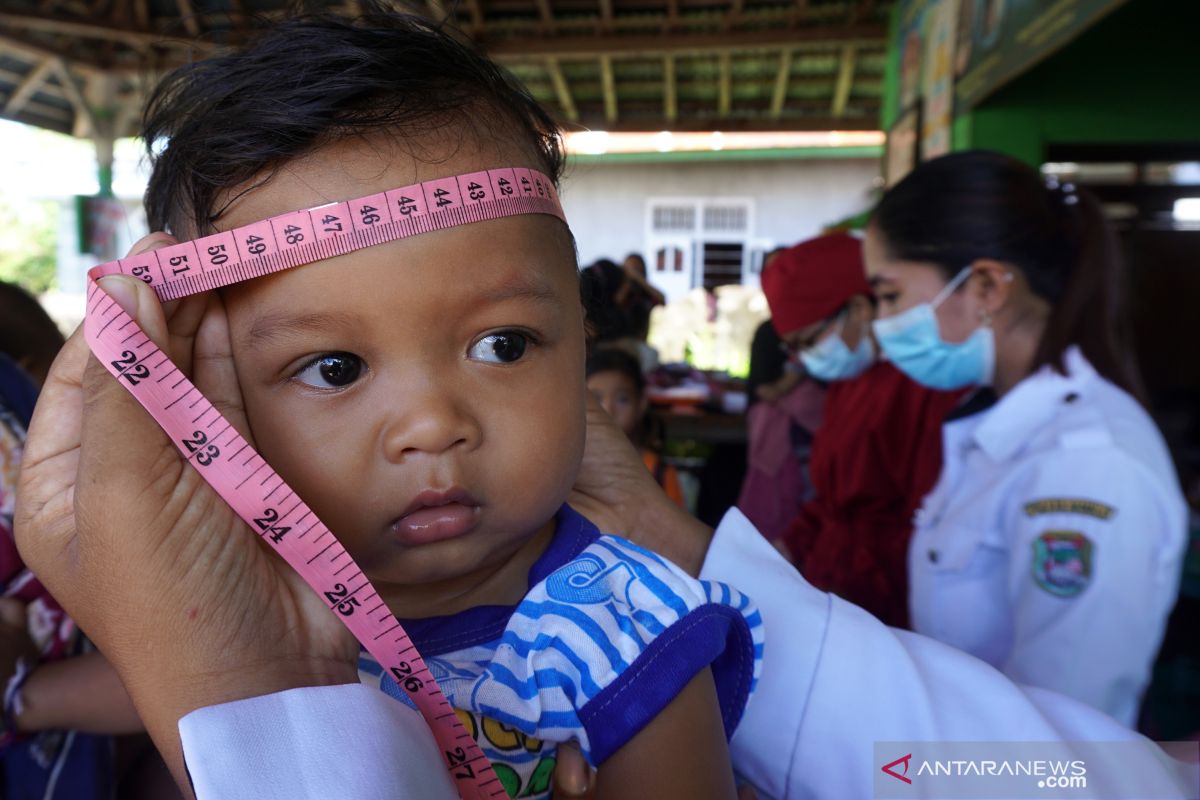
[[27, 334], [779, 430], [772, 373], [1051, 545], [611, 300], [62, 700], [615, 379], [637, 296], [878, 449]]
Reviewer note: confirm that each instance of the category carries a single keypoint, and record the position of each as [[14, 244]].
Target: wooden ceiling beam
[[672, 19], [37, 51], [610, 89], [28, 85], [85, 122], [606, 15], [188, 16], [779, 96], [733, 15], [91, 30], [532, 48], [475, 11], [725, 85], [562, 90], [546, 15], [670, 101], [845, 81], [436, 10]]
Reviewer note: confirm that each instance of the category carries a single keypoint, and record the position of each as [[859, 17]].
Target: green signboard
[[999, 39]]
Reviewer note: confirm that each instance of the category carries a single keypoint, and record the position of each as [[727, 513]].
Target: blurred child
[[426, 398], [616, 381]]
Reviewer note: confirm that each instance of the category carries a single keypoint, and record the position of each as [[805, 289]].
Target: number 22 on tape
[[232, 467]]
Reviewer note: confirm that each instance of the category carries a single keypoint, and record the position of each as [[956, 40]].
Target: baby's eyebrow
[[272, 326], [519, 288]]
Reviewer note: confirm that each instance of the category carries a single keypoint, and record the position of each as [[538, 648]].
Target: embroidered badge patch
[[1062, 562], [1069, 505]]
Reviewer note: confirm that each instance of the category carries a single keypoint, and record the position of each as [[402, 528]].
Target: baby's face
[[425, 397]]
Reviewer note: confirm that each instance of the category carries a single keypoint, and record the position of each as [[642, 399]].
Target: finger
[[573, 778], [214, 372], [115, 427], [12, 613], [183, 316]]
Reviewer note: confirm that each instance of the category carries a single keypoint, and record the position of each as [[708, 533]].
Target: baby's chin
[[482, 567]]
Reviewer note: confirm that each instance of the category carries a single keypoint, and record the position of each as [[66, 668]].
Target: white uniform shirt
[[835, 680], [1051, 545]]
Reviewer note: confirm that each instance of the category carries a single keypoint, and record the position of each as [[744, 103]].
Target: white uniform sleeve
[[313, 744], [1093, 573], [835, 680]]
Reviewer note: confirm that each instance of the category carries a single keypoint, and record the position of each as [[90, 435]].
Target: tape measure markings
[[262, 248]]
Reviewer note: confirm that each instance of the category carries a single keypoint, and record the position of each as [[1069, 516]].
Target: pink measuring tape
[[232, 467]]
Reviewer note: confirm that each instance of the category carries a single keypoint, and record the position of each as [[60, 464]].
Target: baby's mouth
[[434, 516]]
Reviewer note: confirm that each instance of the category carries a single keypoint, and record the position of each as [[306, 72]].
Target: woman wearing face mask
[[1051, 545], [878, 449]]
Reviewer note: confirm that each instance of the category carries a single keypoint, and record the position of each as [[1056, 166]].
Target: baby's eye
[[331, 371], [500, 348]]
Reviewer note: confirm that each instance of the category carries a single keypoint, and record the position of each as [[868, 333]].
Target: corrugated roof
[[70, 65]]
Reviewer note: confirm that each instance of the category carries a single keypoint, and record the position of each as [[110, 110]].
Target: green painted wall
[[1131, 78]]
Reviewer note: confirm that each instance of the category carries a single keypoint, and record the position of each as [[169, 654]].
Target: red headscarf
[[809, 282]]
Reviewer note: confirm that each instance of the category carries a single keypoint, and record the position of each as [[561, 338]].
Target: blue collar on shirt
[[1032, 405], [482, 624]]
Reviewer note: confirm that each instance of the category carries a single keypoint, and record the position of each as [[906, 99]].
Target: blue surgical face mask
[[832, 360], [912, 342]]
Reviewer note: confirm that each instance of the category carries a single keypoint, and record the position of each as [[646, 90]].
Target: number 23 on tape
[[232, 467]]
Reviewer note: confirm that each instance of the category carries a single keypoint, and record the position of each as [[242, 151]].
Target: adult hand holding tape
[[167, 550]]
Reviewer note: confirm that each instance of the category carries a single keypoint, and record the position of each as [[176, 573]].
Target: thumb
[[573, 779], [138, 300], [12, 613]]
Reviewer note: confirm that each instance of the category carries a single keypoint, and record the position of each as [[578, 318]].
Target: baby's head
[[614, 377], [425, 397]]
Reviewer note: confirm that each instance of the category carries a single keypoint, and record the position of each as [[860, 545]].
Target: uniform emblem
[[1069, 505], [1062, 562]]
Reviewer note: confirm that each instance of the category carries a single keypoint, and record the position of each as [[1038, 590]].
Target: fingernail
[[124, 290]]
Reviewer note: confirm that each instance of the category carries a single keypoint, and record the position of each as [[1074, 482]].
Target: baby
[[426, 398]]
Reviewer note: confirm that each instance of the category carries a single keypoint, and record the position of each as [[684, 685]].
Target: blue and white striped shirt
[[607, 636]]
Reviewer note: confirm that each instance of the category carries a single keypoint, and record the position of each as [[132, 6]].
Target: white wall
[[606, 204]]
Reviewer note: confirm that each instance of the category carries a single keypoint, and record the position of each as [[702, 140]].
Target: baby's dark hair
[[215, 124], [612, 359]]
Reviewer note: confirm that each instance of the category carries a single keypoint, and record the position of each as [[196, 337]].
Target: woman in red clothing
[[879, 448]]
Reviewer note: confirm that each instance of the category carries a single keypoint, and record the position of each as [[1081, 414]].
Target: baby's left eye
[[500, 348], [331, 371]]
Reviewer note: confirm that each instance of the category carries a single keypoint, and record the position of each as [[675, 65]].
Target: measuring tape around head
[[232, 467]]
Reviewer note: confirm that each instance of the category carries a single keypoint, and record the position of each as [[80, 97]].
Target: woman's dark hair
[[612, 359], [607, 319], [27, 334], [961, 207], [217, 123]]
